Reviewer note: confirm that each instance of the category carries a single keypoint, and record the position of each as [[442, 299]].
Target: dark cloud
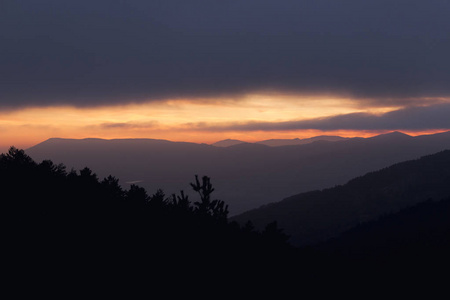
[[413, 119], [128, 125], [104, 52]]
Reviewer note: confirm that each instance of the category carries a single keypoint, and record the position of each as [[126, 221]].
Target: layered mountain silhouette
[[320, 215], [297, 141], [281, 142], [246, 175], [227, 143], [419, 234]]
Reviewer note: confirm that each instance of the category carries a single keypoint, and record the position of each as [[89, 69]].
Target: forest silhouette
[[71, 222], [62, 226]]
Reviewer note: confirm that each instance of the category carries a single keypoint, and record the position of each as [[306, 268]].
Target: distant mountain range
[[320, 215], [281, 142], [244, 175], [227, 143], [287, 142]]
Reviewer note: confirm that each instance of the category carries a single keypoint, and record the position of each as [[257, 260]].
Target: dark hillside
[[70, 233], [72, 228], [319, 215], [419, 235]]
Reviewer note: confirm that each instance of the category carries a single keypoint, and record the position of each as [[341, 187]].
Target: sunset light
[[251, 143], [176, 120]]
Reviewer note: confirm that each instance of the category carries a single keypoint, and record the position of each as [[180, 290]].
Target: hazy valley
[[318, 216], [245, 175]]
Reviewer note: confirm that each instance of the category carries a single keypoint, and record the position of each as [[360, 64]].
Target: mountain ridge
[[297, 141], [246, 175], [280, 142], [227, 143], [318, 215]]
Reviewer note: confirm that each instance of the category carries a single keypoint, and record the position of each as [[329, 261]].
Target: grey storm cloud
[[412, 118], [105, 52]]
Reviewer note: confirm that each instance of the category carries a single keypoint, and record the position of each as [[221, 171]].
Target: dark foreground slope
[[64, 232], [416, 235], [246, 176], [319, 215], [70, 234]]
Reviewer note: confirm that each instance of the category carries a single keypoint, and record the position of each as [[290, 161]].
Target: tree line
[[71, 229], [73, 218]]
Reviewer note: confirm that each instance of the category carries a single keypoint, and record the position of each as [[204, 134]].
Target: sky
[[203, 71]]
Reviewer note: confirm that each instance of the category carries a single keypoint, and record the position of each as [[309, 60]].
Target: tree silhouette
[[112, 187], [73, 221], [215, 208], [274, 234], [17, 157], [181, 202], [137, 195]]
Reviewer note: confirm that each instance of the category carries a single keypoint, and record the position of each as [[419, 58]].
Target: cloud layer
[[408, 119], [88, 53]]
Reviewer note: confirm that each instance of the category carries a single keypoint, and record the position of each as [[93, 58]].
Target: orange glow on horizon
[[179, 120], [24, 141]]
